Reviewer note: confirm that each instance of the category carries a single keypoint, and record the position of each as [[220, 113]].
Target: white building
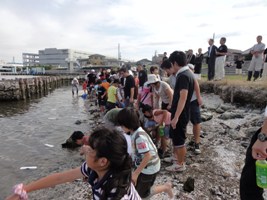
[[54, 57]]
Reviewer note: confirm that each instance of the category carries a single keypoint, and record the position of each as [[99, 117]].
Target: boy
[[101, 96], [112, 95]]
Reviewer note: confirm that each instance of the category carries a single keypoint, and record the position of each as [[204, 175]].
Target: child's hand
[[134, 178], [13, 197]]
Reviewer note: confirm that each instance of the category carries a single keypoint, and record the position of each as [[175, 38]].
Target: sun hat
[[152, 78]]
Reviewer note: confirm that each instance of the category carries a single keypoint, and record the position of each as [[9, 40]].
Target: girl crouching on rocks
[[107, 167]]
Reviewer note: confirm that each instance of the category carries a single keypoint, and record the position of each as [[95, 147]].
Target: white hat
[[92, 70], [152, 78], [191, 66]]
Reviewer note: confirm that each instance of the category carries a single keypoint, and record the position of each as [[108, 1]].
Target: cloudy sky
[[140, 26]]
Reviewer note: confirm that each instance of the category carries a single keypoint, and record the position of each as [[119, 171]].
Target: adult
[[264, 73], [257, 150], [211, 59], [142, 75], [91, 77], [161, 90], [75, 86], [165, 57], [128, 86], [190, 57], [238, 63], [166, 64], [257, 59], [221, 53], [180, 108], [198, 64]]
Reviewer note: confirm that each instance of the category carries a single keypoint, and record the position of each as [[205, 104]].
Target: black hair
[[112, 145], [116, 81], [166, 64], [223, 39], [129, 118], [99, 81], [123, 69], [179, 57], [146, 108], [76, 135], [152, 69]]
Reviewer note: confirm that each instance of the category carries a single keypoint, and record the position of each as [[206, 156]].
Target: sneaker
[[197, 149], [191, 143], [169, 159], [176, 168]]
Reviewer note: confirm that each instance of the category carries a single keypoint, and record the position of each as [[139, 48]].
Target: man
[[142, 75], [128, 87], [264, 73], [180, 108], [257, 59], [257, 150], [221, 53], [211, 59], [190, 57]]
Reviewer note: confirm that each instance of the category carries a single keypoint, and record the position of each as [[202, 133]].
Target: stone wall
[[250, 93], [24, 88]]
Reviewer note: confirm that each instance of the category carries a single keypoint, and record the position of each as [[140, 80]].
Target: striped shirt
[[98, 185]]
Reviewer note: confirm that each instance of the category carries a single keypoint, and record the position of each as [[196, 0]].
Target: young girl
[[146, 160], [162, 118], [107, 167]]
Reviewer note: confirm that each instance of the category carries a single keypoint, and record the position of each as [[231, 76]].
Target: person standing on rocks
[[198, 64], [221, 53], [211, 59], [257, 59], [107, 167], [128, 87], [257, 150], [180, 109], [146, 159]]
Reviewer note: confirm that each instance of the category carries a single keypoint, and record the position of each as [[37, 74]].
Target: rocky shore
[[215, 173]]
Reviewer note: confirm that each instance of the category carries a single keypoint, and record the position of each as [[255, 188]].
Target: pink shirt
[[145, 99], [158, 118]]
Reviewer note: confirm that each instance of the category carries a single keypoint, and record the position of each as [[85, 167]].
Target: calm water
[[27, 125]]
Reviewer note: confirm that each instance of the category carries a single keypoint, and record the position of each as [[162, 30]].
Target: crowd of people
[[153, 113]]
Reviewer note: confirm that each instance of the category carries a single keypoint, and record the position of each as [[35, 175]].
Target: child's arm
[[143, 164], [51, 180], [197, 90], [180, 107]]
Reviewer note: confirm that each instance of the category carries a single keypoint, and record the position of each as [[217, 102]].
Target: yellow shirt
[[112, 91]]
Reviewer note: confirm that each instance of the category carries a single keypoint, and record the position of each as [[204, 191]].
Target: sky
[[141, 27]]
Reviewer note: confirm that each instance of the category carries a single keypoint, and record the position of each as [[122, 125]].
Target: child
[[101, 96], [77, 139], [107, 167], [239, 64], [162, 118], [112, 95], [75, 86], [146, 160], [85, 87]]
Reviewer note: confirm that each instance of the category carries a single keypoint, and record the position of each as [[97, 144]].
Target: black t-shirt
[[239, 64], [142, 76], [199, 59], [222, 49], [129, 83], [265, 53], [91, 78], [100, 91], [184, 80]]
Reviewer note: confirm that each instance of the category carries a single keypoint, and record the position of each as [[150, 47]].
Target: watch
[[262, 137]]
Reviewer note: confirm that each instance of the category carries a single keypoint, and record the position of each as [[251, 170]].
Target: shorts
[[144, 184], [150, 124], [102, 102], [195, 116], [110, 105], [178, 135], [167, 131]]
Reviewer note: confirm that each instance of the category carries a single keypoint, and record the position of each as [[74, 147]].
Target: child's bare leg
[[166, 188]]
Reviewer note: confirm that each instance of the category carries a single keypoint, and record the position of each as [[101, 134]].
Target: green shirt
[[112, 91]]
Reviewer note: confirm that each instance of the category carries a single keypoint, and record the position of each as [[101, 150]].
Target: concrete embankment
[[241, 93], [25, 88]]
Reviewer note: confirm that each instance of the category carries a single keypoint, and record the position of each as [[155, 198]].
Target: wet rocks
[[189, 184]]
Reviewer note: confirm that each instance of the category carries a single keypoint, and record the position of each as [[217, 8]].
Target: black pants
[[248, 186], [211, 69]]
